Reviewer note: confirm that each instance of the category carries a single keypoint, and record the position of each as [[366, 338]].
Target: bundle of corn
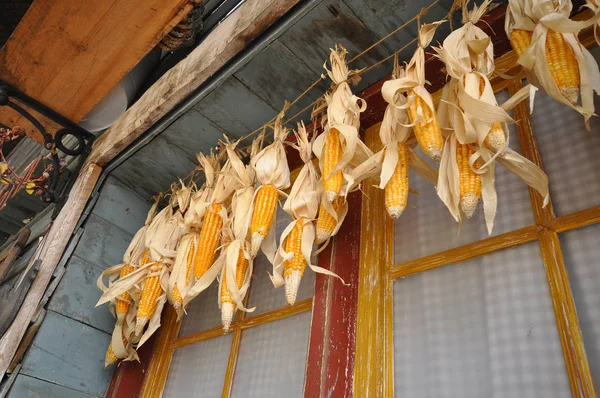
[[297, 239], [547, 43], [205, 268], [273, 174], [339, 147], [235, 276], [478, 125], [123, 340]]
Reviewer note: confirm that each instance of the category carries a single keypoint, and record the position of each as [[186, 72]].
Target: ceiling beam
[[69, 54]]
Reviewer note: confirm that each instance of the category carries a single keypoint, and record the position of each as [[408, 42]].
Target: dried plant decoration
[[547, 43], [594, 5], [477, 124], [340, 144], [273, 175]]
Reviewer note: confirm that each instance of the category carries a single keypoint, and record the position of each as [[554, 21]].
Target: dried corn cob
[[520, 40], [150, 293], [265, 206], [177, 299], [293, 269], [331, 156], [124, 300], [396, 190], [227, 305], [210, 235], [110, 356], [495, 139], [326, 222], [470, 182], [428, 133], [563, 65]]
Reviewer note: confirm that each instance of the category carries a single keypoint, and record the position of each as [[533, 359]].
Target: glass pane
[[570, 153], [272, 359], [481, 328], [582, 258], [203, 312], [426, 227], [198, 370], [263, 295]]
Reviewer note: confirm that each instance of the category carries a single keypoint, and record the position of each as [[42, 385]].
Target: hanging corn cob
[[235, 276], [296, 243], [546, 41], [478, 125], [339, 147], [273, 174], [331, 216], [123, 340]]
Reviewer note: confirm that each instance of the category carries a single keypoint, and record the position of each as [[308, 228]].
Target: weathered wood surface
[[69, 54], [69, 353], [77, 294], [10, 304], [54, 245], [102, 243], [26, 387], [121, 206], [9, 255], [224, 42]]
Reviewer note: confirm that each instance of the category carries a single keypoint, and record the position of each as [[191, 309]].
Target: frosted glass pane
[[570, 153], [203, 312], [272, 359], [426, 227], [582, 259], [198, 370], [263, 295], [481, 328]]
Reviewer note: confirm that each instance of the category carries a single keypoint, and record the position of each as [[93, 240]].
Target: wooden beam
[[50, 253], [229, 38], [69, 54]]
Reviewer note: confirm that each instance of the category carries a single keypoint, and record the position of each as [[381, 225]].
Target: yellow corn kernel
[[210, 235], [325, 222], [470, 182], [124, 299], [428, 134], [563, 65], [145, 258], [294, 269], [176, 294], [110, 356], [520, 40], [227, 304], [150, 293], [265, 206], [396, 190], [332, 152]]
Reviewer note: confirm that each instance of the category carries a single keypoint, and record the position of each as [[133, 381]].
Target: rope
[[417, 17]]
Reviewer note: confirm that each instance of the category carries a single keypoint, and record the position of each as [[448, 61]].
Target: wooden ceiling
[[68, 54]]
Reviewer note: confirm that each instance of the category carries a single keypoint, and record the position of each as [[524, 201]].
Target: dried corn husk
[[125, 350], [302, 204], [181, 274], [343, 115], [469, 113], [200, 199], [271, 168], [538, 16]]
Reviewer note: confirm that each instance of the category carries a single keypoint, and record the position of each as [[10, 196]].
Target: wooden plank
[[333, 22], [193, 133], [276, 75], [26, 386], [54, 245], [70, 354], [145, 176], [69, 54], [231, 36], [171, 158], [235, 108], [102, 243], [77, 294], [121, 206]]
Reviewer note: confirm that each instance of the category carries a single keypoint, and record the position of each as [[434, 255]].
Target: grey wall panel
[[193, 133], [102, 243], [69, 353], [77, 295], [171, 158], [145, 177], [29, 387], [235, 108], [121, 206]]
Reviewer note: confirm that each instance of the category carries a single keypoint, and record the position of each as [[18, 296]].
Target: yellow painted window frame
[[167, 340], [374, 367]]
